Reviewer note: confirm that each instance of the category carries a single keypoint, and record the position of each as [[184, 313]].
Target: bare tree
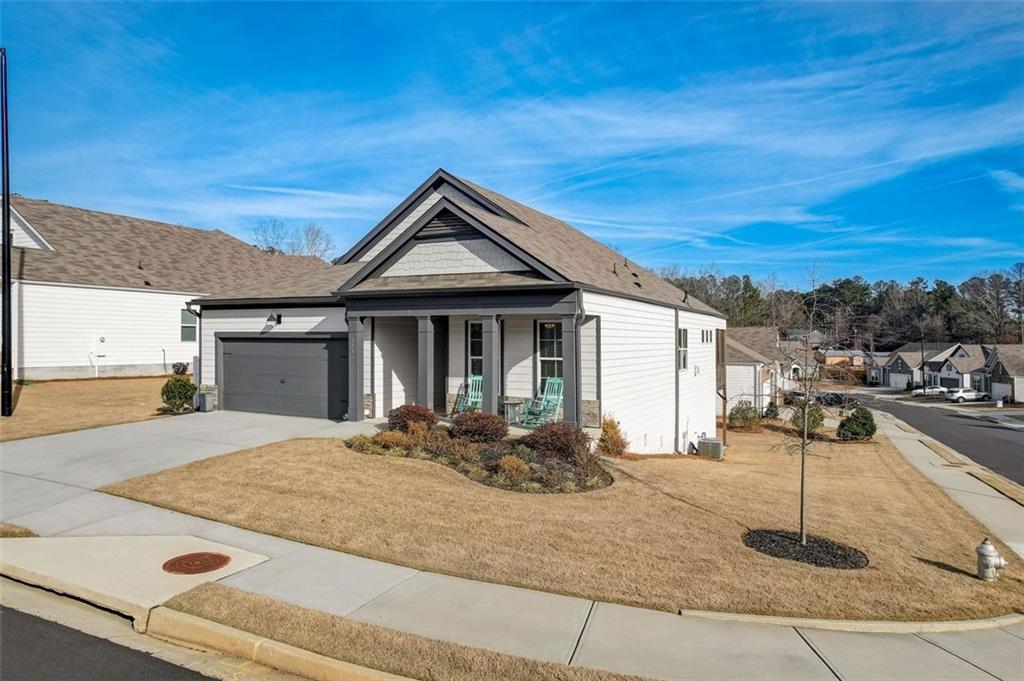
[[1016, 276], [271, 235], [313, 240]]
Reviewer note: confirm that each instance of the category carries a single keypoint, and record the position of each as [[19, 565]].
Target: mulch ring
[[819, 551]]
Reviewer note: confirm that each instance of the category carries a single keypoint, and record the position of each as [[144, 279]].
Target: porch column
[[425, 353], [492, 363], [356, 338], [570, 370]]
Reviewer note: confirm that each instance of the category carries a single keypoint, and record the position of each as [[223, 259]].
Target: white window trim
[[469, 348], [538, 358], [194, 326], [683, 348]]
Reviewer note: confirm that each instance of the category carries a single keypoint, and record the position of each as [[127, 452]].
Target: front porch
[[424, 351]]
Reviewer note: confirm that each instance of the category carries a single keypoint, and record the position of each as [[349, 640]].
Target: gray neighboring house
[[459, 281], [906, 363], [1002, 376]]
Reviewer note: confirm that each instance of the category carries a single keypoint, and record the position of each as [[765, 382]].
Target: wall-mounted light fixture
[[274, 318]]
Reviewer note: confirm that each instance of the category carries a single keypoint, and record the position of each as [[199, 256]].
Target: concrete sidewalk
[[50, 500]]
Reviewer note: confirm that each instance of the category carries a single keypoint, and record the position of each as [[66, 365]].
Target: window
[[549, 351], [682, 346], [475, 348], [188, 326]]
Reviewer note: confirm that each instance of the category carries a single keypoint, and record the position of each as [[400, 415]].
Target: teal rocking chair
[[545, 408], [473, 397]]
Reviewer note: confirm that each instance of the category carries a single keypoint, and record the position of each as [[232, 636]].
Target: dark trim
[[501, 357], [212, 303], [198, 371], [356, 367], [468, 290], [399, 213], [536, 356], [465, 355], [600, 391], [284, 335], [373, 364], [675, 348], [457, 304], [445, 204]]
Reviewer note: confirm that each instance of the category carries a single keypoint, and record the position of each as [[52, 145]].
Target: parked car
[[930, 391], [967, 395], [794, 396], [838, 400]]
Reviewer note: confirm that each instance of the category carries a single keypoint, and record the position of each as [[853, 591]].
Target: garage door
[[949, 382], [295, 377], [899, 380]]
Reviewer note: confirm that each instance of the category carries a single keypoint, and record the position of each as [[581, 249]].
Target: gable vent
[[446, 225]]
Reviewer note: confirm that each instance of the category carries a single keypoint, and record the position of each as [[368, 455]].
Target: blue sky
[[879, 140]]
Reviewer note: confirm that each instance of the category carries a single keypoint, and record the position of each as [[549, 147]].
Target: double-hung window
[[475, 349], [188, 326], [682, 347], [549, 351]]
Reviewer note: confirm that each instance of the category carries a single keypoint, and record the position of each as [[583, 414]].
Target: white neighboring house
[[97, 294], [460, 281], [787, 360], [749, 376]]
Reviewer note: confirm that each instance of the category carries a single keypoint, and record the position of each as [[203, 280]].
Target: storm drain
[[196, 563]]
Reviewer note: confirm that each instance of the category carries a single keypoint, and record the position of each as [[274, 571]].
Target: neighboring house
[[750, 376], [814, 337], [876, 372], [850, 358], [456, 281], [783, 358], [905, 363], [952, 369], [1002, 376], [97, 294]]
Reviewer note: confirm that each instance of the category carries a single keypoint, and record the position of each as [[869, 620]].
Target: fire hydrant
[[990, 563]]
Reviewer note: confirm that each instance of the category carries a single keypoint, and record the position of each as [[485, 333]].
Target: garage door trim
[[220, 336]]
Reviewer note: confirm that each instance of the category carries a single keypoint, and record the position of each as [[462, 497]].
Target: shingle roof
[[910, 353], [320, 283], [737, 353], [576, 256], [1012, 358], [104, 249], [447, 281], [762, 339], [975, 359]]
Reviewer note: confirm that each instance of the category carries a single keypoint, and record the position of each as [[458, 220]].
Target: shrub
[[516, 470], [454, 450], [559, 440], [744, 415], [771, 411], [479, 426], [177, 394], [359, 443], [612, 442], [392, 439], [179, 368], [859, 425], [418, 432], [815, 416], [399, 418]]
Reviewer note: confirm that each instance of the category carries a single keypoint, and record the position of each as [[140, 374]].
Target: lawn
[[666, 535], [59, 406]]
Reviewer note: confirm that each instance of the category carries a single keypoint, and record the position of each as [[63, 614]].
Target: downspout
[[578, 324], [197, 371], [675, 352]]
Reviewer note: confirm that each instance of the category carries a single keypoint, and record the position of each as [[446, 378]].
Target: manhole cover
[[196, 563]]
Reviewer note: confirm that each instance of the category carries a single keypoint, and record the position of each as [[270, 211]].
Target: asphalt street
[[994, 446], [34, 649]]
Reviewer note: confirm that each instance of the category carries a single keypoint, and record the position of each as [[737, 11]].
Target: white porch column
[[356, 338], [425, 354], [492, 363]]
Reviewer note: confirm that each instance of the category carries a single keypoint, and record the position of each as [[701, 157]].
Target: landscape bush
[[479, 426], [515, 470], [815, 416], [744, 415], [399, 418], [859, 425], [179, 368], [559, 440], [177, 394], [392, 439], [771, 411], [612, 442]]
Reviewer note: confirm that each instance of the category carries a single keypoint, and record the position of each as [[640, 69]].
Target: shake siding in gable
[[294, 320], [637, 369], [386, 238]]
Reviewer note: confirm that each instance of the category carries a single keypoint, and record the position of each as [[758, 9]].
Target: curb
[[191, 631], [864, 626]]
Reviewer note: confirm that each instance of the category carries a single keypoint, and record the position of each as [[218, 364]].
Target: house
[[783, 359], [1002, 376], [875, 363], [813, 337], [905, 364], [952, 369], [460, 281], [847, 358], [750, 376], [96, 294]]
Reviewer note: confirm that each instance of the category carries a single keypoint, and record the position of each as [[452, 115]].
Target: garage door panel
[[294, 377], [949, 382]]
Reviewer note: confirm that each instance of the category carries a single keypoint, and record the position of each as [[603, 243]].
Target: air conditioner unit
[[711, 447]]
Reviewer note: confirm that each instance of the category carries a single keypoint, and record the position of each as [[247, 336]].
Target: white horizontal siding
[[698, 394], [59, 325], [395, 361], [293, 320], [637, 369], [519, 358]]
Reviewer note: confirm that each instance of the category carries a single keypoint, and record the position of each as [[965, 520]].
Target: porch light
[[274, 318]]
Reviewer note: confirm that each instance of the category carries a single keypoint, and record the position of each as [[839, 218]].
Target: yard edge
[[863, 626], [188, 630]]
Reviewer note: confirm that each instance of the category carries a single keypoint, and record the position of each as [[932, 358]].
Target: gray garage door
[[949, 382], [295, 377]]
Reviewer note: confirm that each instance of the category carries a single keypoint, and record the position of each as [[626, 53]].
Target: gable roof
[[1012, 358], [762, 339], [103, 249], [738, 353], [567, 253], [910, 353]]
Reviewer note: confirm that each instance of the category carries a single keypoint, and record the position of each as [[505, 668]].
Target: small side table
[[512, 407]]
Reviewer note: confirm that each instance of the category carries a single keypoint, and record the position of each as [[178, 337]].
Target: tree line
[[985, 308]]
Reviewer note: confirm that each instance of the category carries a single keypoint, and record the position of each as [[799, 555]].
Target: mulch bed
[[819, 551]]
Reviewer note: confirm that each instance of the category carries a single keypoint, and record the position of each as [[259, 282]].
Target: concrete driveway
[[38, 472]]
